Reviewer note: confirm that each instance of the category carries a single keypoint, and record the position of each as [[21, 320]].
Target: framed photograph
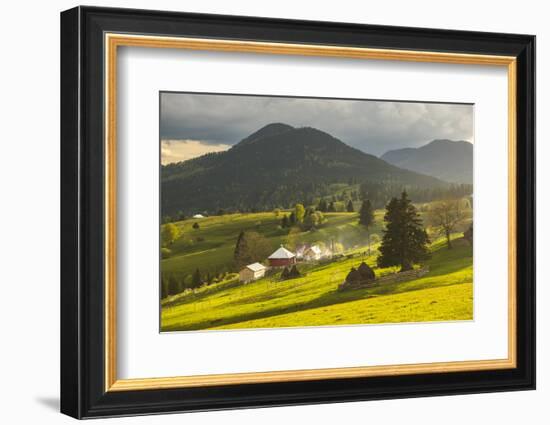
[[261, 212]]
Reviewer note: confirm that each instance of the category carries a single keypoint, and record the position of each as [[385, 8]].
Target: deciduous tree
[[299, 212], [250, 247], [169, 234], [446, 216]]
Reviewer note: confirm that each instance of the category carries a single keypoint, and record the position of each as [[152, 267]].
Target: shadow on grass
[[207, 292], [443, 262], [329, 298]]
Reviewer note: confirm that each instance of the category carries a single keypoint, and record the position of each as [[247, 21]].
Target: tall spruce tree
[[350, 206], [173, 284], [197, 279], [239, 246], [366, 214], [284, 221], [292, 218], [405, 240], [366, 217], [164, 287]]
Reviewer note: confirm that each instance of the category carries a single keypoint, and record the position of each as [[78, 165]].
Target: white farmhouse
[[252, 272], [312, 253]]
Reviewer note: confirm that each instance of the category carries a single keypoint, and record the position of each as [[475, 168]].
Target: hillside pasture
[[445, 293], [210, 247]]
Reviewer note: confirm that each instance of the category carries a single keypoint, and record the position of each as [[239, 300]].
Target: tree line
[[322, 195]]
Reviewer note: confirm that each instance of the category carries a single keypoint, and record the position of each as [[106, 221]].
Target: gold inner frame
[[113, 41]]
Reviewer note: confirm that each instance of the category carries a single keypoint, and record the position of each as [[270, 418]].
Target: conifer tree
[[366, 214], [164, 287], [173, 285], [284, 221], [366, 217], [405, 240], [292, 218], [239, 246], [350, 206], [197, 280]]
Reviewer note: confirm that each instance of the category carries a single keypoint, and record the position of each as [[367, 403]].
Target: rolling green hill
[[445, 293], [210, 248], [277, 166]]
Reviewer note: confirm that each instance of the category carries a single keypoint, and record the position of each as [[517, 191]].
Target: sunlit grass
[[445, 293], [210, 248]]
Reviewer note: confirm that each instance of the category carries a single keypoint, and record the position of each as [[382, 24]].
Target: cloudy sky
[[194, 124]]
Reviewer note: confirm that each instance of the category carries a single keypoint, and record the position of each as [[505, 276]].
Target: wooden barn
[[252, 272], [282, 258]]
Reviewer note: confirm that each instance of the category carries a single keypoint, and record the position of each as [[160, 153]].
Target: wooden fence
[[389, 278]]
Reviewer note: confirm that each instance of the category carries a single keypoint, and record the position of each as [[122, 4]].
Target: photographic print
[[296, 212]]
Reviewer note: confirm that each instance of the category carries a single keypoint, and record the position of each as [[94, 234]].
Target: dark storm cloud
[[372, 126]]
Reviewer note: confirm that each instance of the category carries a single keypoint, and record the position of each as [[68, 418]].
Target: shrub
[[196, 225]]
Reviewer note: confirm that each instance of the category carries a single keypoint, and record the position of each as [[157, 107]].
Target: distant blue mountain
[[445, 159]]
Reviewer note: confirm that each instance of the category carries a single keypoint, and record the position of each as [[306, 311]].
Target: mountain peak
[[266, 131], [277, 166], [446, 142], [449, 160]]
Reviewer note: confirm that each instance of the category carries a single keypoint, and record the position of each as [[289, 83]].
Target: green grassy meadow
[[444, 294], [211, 246]]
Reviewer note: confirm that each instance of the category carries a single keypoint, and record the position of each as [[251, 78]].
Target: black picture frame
[[83, 392]]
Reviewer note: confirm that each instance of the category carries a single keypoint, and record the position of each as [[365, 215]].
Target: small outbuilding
[[300, 250], [252, 272], [313, 253], [282, 258]]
